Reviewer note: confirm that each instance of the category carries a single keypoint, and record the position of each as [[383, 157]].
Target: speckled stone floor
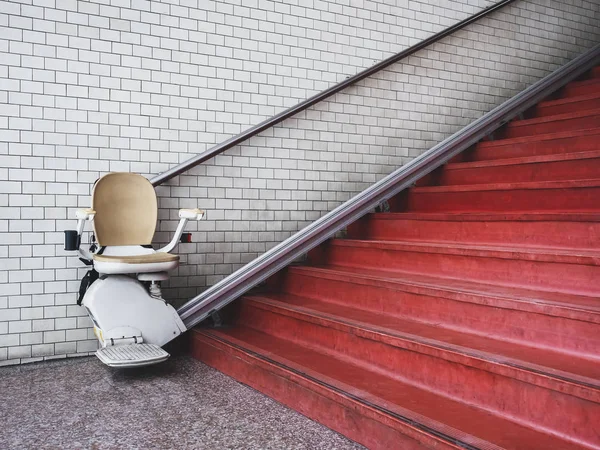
[[180, 404]]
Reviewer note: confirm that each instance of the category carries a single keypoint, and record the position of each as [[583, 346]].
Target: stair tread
[[480, 350], [524, 160], [555, 118], [575, 306], [541, 137], [570, 99], [591, 81], [399, 399], [525, 216], [547, 254], [562, 184]]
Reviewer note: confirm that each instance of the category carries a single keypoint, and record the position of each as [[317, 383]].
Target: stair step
[[469, 317], [577, 88], [569, 324], [454, 345], [369, 407], [563, 166], [434, 360], [543, 144], [568, 104], [564, 230], [565, 196], [567, 271], [560, 122]]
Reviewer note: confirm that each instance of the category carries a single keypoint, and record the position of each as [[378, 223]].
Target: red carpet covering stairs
[[468, 317]]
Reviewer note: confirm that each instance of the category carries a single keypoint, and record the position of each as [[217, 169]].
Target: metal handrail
[[256, 129], [253, 273]]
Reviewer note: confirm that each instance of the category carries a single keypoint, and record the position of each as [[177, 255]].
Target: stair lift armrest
[[184, 216], [83, 215], [191, 214]]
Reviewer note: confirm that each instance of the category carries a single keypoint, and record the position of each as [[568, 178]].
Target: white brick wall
[[133, 85]]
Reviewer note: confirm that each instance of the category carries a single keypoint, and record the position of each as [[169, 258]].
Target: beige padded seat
[[138, 259], [126, 211]]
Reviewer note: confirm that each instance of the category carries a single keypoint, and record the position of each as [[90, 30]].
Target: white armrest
[[85, 214], [82, 215], [184, 215], [191, 214]]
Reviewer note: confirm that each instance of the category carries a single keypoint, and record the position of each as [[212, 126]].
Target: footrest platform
[[131, 355]]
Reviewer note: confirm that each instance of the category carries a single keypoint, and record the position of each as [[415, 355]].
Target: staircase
[[468, 317]]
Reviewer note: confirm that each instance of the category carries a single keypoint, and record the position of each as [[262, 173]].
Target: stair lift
[[122, 292]]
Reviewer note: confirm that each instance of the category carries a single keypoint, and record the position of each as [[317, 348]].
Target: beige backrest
[[126, 209]]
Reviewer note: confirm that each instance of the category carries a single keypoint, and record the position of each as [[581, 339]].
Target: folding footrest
[[132, 355]]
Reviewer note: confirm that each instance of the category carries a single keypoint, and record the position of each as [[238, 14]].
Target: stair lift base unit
[[125, 315], [122, 293]]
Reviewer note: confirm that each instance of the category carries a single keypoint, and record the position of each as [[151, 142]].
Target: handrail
[[253, 131], [253, 273]]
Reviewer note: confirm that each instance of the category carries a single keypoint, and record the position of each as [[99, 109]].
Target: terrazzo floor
[[180, 404]]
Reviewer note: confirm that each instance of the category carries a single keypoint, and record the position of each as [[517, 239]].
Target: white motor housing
[[123, 312]]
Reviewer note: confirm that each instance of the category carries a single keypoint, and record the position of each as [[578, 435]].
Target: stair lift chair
[[131, 319]]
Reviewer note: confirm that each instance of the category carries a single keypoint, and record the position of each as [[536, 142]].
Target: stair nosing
[[522, 370], [443, 291], [524, 185], [536, 159], [593, 80], [533, 253], [509, 216], [567, 100], [555, 117], [541, 137]]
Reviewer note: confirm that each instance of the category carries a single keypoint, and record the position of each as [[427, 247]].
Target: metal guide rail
[[258, 270]]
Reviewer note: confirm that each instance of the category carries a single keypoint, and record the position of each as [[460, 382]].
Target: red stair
[[468, 317]]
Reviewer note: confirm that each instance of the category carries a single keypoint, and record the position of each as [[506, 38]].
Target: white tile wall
[[88, 87]]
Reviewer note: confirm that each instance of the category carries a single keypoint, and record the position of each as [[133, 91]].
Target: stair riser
[[549, 276], [537, 147], [550, 110], [495, 392], [532, 200], [534, 233], [515, 130], [459, 311], [576, 89], [575, 169], [352, 420]]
